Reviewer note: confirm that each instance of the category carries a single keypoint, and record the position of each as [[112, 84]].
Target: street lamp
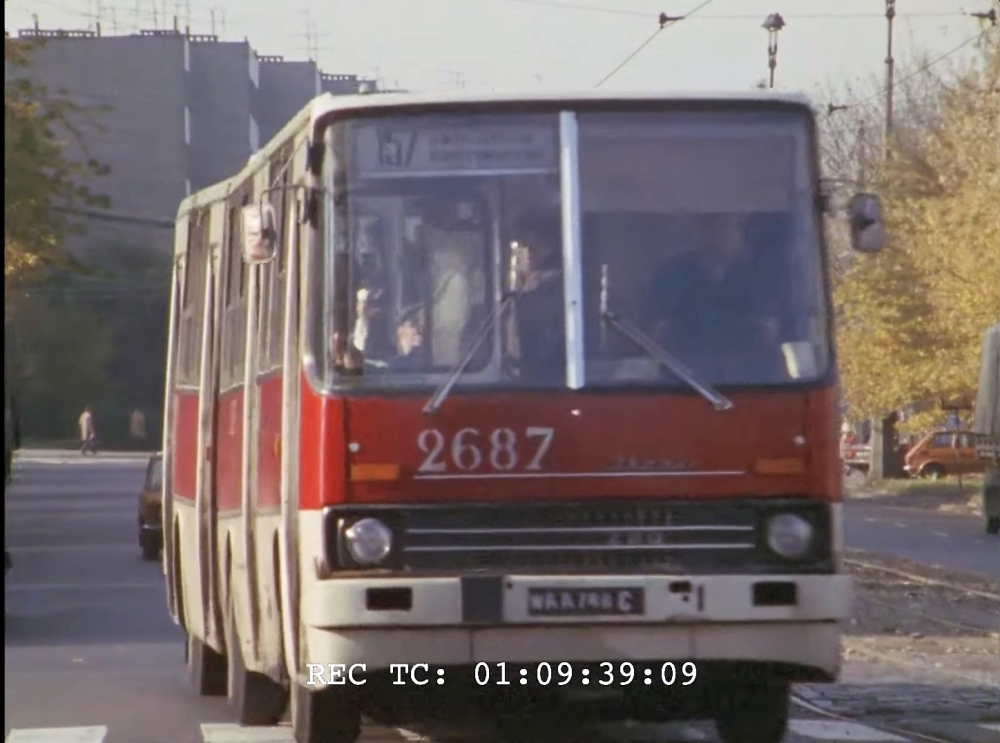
[[773, 23]]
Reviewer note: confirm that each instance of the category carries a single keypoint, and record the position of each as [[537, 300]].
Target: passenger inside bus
[[370, 331], [722, 299], [536, 252], [411, 355], [454, 247], [416, 297]]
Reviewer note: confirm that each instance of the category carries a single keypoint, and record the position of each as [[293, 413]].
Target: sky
[[440, 45]]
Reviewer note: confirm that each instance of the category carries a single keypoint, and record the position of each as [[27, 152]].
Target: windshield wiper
[[655, 351], [442, 392], [664, 359]]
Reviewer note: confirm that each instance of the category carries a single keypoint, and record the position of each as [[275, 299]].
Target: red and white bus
[[539, 392]]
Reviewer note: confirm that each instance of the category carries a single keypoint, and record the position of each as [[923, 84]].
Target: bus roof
[[322, 106], [381, 100]]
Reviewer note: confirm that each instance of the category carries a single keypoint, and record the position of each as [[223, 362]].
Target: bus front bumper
[[459, 621]]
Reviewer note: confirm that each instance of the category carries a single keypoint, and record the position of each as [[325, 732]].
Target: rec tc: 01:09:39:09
[[602, 674]]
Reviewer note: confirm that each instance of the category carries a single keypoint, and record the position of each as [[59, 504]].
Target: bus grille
[[670, 537]]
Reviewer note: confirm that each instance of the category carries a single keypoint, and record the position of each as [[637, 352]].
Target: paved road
[[89, 643], [950, 541]]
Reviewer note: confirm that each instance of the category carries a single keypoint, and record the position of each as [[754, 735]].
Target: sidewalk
[[73, 456]]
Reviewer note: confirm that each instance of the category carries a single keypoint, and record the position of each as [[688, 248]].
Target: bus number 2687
[[471, 449]]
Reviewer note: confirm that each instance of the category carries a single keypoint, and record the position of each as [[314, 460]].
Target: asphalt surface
[[946, 540], [89, 642]]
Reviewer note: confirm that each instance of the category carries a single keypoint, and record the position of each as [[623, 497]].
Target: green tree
[[132, 306], [95, 333], [62, 354], [41, 181]]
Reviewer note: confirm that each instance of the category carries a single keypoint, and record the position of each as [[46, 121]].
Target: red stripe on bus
[[185, 443], [229, 450]]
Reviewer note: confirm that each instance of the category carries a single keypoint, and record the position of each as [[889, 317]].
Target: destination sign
[[390, 150]]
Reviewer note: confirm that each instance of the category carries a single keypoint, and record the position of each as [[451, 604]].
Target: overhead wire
[[665, 22], [726, 16], [906, 78]]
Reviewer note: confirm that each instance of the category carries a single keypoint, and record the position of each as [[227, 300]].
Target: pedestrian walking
[[88, 434]]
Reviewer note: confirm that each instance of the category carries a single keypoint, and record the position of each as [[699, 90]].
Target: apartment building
[[171, 112]]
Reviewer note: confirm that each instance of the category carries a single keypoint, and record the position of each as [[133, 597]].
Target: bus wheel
[[257, 699], [206, 668], [993, 525], [753, 714], [324, 716]]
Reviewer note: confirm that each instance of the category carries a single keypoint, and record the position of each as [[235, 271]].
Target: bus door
[[269, 397], [234, 466], [206, 498]]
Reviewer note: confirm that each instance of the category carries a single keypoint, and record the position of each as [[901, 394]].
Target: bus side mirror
[[259, 235], [867, 235]]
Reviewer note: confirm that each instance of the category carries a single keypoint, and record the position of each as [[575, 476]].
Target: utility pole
[[862, 170], [772, 24], [890, 15]]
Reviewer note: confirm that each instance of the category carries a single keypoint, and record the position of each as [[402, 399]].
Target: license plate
[[585, 602]]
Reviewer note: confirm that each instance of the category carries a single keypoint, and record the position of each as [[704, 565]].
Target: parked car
[[943, 453], [151, 510], [856, 458]]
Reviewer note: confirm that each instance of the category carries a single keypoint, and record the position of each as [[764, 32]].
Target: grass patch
[[948, 495]]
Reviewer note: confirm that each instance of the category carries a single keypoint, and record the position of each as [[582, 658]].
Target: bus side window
[[196, 265], [265, 279], [282, 201], [234, 313]]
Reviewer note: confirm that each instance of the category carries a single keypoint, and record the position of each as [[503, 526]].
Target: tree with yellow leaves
[[910, 320], [41, 182]]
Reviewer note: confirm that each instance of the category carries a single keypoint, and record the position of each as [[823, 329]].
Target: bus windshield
[[445, 249], [701, 231], [436, 221]]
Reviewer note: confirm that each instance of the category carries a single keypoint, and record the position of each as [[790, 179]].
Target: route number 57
[[471, 449]]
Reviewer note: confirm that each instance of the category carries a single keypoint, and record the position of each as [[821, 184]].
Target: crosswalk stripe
[[834, 731], [93, 734], [82, 462], [828, 731], [230, 733]]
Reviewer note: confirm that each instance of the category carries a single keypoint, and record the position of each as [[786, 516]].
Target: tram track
[[930, 603], [674, 732], [913, 577], [679, 732], [913, 735]]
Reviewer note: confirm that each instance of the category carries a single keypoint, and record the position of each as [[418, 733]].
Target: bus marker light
[[789, 466], [374, 472]]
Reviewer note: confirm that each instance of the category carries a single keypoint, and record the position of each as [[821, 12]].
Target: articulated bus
[[526, 401]]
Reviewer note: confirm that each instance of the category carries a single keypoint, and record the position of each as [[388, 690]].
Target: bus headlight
[[369, 541], [789, 535]]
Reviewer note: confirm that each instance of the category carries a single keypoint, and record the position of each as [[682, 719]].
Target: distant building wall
[[338, 84], [172, 113], [224, 101], [285, 87], [134, 88]]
